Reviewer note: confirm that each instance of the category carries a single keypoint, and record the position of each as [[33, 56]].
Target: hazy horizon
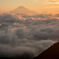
[[39, 6]]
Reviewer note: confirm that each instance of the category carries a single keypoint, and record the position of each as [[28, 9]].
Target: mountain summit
[[23, 11], [21, 8]]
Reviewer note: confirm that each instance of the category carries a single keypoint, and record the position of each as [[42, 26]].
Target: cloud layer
[[30, 36]]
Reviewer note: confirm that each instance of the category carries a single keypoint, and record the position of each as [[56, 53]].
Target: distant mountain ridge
[[23, 11]]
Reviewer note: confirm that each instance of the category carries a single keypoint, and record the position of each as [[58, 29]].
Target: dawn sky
[[49, 6]]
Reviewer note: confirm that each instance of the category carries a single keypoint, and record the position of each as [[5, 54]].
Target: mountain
[[23, 11], [50, 53]]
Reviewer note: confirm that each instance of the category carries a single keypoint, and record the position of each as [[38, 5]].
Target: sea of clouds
[[30, 36]]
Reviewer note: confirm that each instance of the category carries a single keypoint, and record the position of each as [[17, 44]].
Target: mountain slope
[[50, 53], [23, 11]]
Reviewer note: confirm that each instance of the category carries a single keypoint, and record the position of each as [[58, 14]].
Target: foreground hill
[[50, 53]]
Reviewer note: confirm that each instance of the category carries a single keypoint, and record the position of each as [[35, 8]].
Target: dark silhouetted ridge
[[50, 53]]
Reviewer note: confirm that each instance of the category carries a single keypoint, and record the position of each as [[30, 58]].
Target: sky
[[40, 6]]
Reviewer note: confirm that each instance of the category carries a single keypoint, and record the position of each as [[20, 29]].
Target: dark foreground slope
[[24, 56], [17, 57], [50, 53]]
